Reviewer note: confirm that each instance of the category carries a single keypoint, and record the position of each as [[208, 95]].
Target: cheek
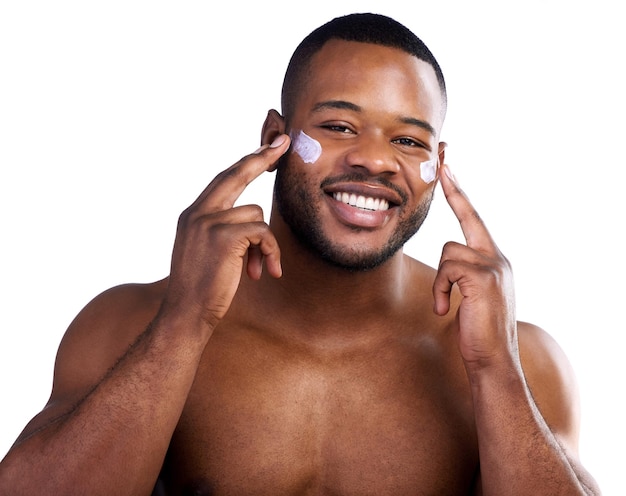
[[428, 170], [420, 184], [298, 181], [307, 148]]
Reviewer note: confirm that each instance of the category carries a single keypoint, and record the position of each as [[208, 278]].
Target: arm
[[122, 375], [528, 443], [523, 450]]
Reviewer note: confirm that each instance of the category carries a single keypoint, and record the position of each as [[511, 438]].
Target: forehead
[[374, 77]]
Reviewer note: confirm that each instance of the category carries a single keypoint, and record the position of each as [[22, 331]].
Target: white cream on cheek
[[308, 148], [428, 170]]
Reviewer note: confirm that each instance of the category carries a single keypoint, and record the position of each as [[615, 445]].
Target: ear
[[273, 126]]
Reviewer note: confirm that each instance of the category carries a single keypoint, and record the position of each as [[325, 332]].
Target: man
[[310, 355]]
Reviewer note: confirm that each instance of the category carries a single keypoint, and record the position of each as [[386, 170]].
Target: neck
[[329, 296]]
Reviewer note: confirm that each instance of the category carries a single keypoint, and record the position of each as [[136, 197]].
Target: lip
[[359, 218]]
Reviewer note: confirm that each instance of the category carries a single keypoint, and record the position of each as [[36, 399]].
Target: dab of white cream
[[308, 148], [428, 170]]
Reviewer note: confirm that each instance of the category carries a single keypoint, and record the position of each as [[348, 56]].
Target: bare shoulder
[[552, 382], [95, 340], [107, 326], [125, 304]]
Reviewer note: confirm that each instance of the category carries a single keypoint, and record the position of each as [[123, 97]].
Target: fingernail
[[260, 149], [278, 141]]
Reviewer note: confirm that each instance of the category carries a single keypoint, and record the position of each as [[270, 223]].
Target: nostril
[[373, 160]]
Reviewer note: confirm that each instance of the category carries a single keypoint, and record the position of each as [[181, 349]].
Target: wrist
[[499, 371], [173, 321]]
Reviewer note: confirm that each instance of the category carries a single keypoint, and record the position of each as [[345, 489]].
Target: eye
[[409, 142], [337, 128]]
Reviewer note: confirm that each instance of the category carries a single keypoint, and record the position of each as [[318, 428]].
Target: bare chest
[[258, 422]]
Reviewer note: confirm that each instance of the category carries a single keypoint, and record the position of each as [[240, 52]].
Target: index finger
[[223, 191], [476, 234]]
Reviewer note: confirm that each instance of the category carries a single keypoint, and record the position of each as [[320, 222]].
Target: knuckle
[[255, 212], [188, 217], [232, 173], [237, 173], [493, 274], [444, 263], [449, 251], [184, 218], [506, 263], [220, 233], [498, 273], [475, 215], [257, 230], [449, 245]]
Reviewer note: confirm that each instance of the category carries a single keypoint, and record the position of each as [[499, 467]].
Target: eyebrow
[[344, 105], [336, 104]]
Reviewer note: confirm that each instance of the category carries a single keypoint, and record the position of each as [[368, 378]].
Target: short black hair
[[365, 28]]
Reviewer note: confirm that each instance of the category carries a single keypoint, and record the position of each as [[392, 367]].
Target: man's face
[[376, 113]]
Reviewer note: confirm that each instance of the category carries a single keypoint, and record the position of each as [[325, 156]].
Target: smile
[[362, 202]]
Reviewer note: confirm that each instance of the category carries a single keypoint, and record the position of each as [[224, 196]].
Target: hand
[[486, 314], [214, 238]]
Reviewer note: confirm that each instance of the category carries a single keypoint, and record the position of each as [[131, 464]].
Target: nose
[[373, 152]]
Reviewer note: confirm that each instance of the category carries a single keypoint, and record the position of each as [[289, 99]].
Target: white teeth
[[362, 202]]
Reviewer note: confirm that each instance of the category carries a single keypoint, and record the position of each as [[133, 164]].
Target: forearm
[[114, 440], [519, 454]]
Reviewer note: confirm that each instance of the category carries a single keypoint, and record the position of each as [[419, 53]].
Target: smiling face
[[376, 112]]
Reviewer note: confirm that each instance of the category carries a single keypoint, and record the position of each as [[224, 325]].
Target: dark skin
[[258, 368]]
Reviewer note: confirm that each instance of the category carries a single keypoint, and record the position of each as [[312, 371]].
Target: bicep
[[93, 343]]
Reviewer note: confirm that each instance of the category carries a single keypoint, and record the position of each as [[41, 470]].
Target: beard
[[297, 200]]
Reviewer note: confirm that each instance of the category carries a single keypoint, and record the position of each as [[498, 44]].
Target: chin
[[348, 258]]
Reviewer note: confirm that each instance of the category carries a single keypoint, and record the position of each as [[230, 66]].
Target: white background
[[114, 115]]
